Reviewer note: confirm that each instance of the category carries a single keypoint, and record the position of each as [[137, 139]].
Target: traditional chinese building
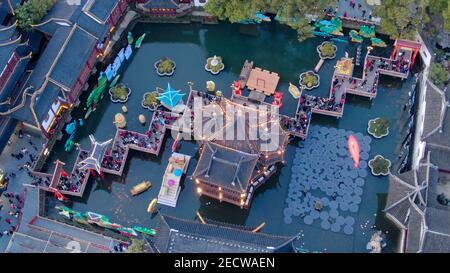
[[418, 200], [75, 35], [182, 236], [231, 169], [15, 54], [170, 8]]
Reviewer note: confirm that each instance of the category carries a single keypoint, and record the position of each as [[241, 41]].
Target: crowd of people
[[355, 10], [150, 141], [327, 104], [73, 182], [400, 64], [300, 123], [10, 213]]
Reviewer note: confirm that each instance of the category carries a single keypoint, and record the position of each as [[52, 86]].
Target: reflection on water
[[275, 49]]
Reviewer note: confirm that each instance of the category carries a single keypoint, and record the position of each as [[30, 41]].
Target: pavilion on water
[[231, 169]]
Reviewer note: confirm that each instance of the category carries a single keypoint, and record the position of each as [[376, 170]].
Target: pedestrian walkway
[[25, 148], [355, 9]]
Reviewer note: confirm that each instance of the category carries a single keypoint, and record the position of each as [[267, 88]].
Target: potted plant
[[379, 166], [327, 50], [165, 67], [214, 65], [309, 80], [378, 127], [119, 93], [150, 100]]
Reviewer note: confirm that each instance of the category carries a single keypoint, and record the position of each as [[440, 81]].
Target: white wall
[[197, 3], [419, 145]]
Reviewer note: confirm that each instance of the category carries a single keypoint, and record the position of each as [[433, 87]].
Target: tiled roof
[[88, 14], [434, 110], [157, 4], [222, 166], [183, 236]]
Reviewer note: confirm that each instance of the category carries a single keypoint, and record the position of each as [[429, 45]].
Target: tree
[[402, 18], [31, 12], [293, 11], [446, 16], [137, 246], [438, 74], [233, 10]]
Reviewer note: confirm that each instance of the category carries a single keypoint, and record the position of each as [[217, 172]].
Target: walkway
[[113, 162], [366, 86], [16, 183]]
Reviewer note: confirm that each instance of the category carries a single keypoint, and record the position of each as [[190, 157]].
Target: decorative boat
[[148, 231], [295, 92], [152, 206], [140, 188], [354, 149]]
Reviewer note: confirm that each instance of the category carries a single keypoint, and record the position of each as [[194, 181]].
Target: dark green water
[[275, 49]]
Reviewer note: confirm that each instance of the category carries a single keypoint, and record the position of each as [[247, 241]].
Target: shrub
[[31, 12]]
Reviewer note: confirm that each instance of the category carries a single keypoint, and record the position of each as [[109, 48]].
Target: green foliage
[[293, 11], [379, 165], [309, 80], [119, 93], [446, 16], [438, 74], [327, 50], [215, 68], [31, 12], [379, 127], [151, 99], [165, 66], [137, 246], [402, 18]]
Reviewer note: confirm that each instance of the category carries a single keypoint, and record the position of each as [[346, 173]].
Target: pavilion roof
[[225, 167], [416, 224], [170, 97], [408, 44], [183, 236], [405, 189], [241, 126]]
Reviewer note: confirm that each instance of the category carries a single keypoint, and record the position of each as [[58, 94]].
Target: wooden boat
[[140, 188], [152, 206], [295, 92]]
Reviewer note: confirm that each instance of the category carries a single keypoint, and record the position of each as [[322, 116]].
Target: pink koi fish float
[[354, 149]]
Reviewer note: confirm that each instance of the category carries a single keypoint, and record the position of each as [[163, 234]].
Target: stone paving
[[9, 165], [325, 187], [356, 12]]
